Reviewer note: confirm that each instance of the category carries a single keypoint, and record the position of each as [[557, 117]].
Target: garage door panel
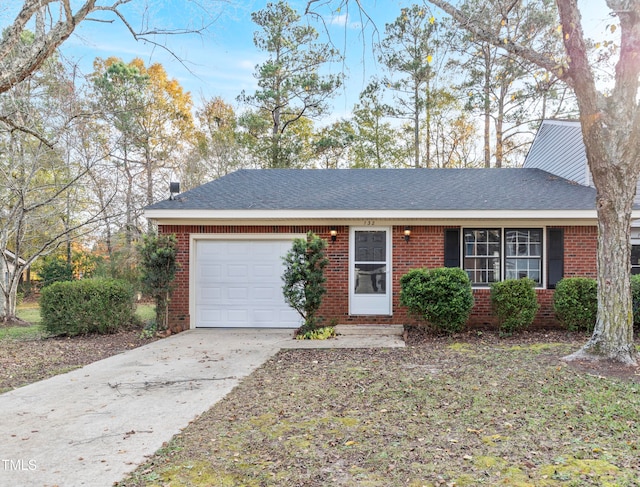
[[208, 316], [266, 271], [210, 273], [237, 272], [264, 294], [238, 284], [209, 293], [237, 316], [234, 293]]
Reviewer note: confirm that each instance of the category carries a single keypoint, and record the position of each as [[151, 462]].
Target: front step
[[370, 330]]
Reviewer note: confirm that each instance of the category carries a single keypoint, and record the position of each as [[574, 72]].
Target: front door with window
[[370, 271]]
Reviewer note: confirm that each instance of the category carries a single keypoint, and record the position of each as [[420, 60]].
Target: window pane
[[523, 243], [371, 246], [519, 268], [370, 278], [482, 255], [483, 270]]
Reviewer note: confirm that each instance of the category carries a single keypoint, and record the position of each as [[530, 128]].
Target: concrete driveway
[[93, 425]]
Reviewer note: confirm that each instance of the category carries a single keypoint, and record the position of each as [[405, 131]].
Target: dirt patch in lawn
[[473, 409], [23, 361]]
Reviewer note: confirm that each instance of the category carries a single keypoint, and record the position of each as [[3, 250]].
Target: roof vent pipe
[[174, 188]]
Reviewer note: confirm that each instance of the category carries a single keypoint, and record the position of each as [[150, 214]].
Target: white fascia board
[[185, 217]]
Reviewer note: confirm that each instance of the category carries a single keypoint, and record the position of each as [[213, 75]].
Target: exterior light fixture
[[334, 233], [407, 233]]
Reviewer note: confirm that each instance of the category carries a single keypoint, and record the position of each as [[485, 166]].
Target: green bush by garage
[[87, 306]]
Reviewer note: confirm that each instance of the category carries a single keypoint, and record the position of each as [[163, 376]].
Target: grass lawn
[[445, 413]]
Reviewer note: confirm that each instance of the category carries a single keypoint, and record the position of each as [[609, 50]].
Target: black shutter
[[555, 256], [452, 247]]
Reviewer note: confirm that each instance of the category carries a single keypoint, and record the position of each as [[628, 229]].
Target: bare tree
[[42, 167], [51, 22]]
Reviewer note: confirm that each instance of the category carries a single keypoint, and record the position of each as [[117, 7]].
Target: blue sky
[[221, 61]]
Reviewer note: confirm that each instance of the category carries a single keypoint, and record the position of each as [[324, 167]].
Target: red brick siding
[[424, 249], [580, 246]]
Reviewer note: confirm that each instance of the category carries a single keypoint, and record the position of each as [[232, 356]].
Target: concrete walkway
[[93, 425]]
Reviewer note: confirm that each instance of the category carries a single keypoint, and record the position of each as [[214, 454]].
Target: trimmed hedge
[[514, 303], [575, 303], [442, 297], [87, 306]]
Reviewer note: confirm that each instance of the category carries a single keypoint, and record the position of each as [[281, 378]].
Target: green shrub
[[158, 267], [304, 279], [575, 303], [514, 303], [54, 269], [87, 306], [322, 333], [442, 296]]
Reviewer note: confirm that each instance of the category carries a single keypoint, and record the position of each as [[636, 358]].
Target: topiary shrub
[[304, 279], [575, 303], [635, 297], [442, 297], [514, 303], [87, 306], [158, 267]]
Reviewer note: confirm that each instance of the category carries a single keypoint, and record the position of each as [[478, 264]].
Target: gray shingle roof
[[386, 189]]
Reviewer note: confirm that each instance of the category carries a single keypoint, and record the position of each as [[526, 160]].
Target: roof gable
[[558, 148]]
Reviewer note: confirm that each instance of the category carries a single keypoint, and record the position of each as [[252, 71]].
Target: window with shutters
[[494, 254]]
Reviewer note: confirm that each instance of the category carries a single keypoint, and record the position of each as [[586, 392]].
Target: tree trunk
[[428, 156], [610, 129], [499, 129], [486, 49], [149, 170], [10, 295], [416, 129], [613, 334]]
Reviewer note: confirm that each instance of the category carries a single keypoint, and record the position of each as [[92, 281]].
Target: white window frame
[[502, 257]]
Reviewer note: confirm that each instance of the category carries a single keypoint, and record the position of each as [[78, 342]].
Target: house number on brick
[[369, 223]]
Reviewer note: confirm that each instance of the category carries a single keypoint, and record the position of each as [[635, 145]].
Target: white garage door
[[238, 284]]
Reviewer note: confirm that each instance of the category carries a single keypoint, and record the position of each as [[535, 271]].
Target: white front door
[[370, 271]]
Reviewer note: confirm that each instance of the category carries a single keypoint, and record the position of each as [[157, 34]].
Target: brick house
[[379, 223]]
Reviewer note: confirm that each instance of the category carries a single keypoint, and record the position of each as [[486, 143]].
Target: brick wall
[[424, 249]]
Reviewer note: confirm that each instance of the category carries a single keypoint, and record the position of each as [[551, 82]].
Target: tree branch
[[15, 127], [19, 59], [518, 50]]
